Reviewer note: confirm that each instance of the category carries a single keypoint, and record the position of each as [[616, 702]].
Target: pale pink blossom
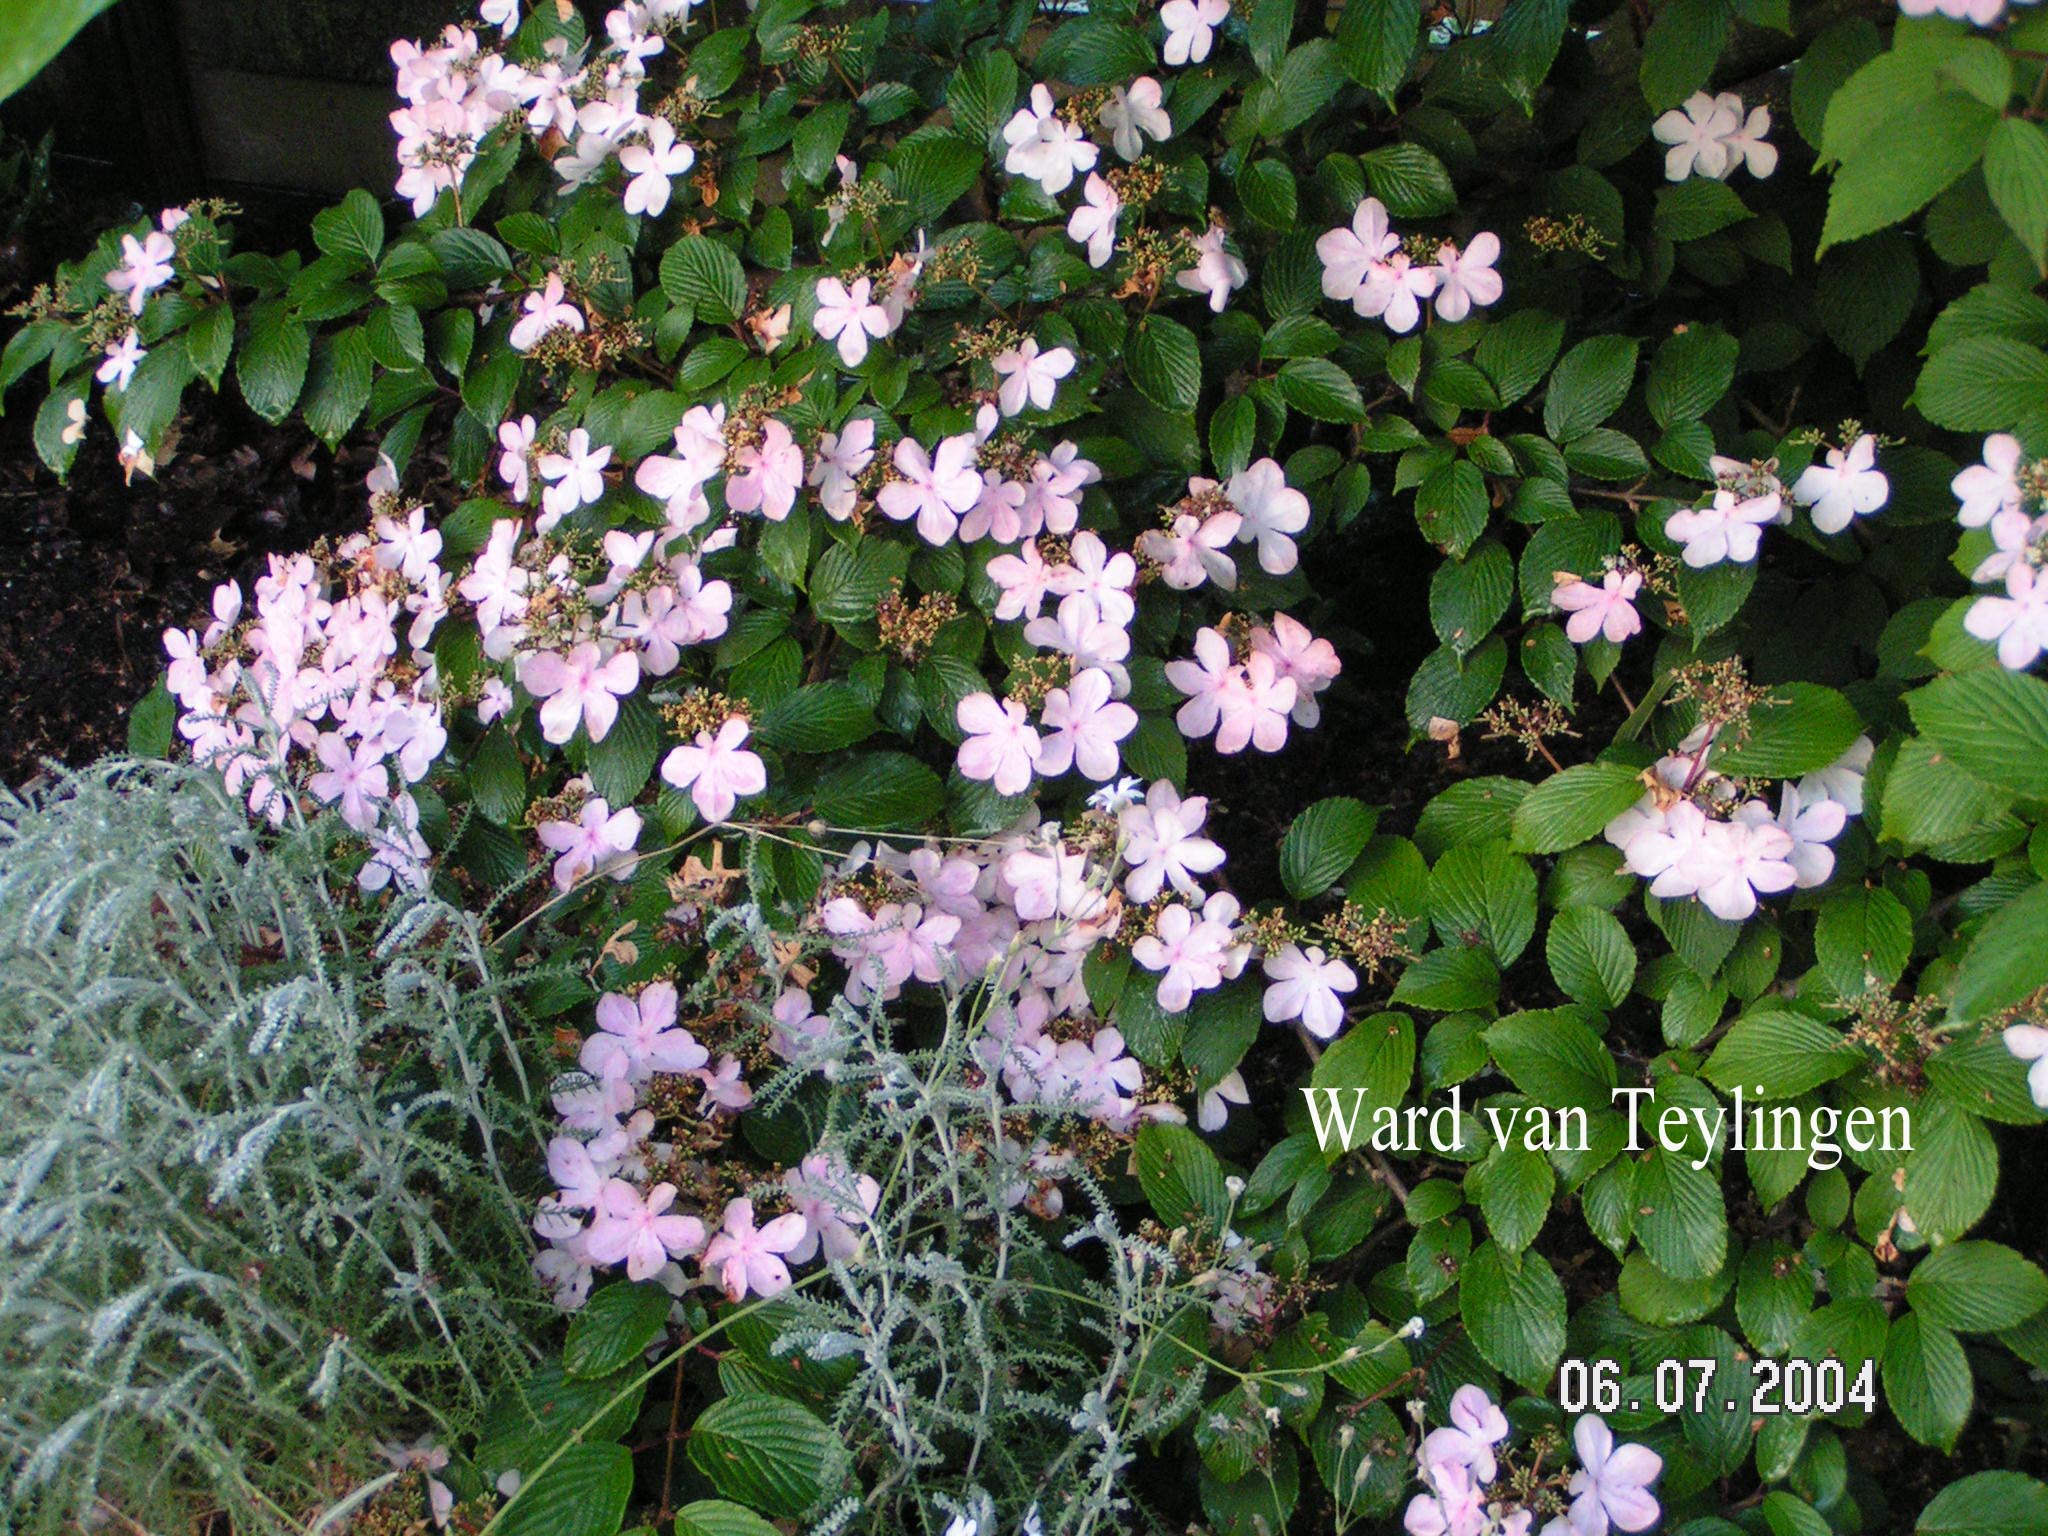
[[934, 488], [515, 438], [1697, 133], [640, 1230], [599, 841], [1217, 274], [1987, 489], [1608, 609], [834, 1205], [543, 311], [1093, 223], [122, 358], [637, 1037], [653, 165], [1083, 727], [1728, 528], [576, 478], [145, 267], [1214, 1110], [1299, 657], [1191, 551], [1477, 1426], [1163, 845], [850, 316], [1001, 746], [717, 770], [841, 458], [1271, 513], [1466, 278], [745, 1258], [582, 688], [1045, 147], [766, 475], [2016, 622], [1308, 985], [1848, 486], [1133, 115], [1191, 28], [1243, 703], [1029, 376], [1612, 1484]]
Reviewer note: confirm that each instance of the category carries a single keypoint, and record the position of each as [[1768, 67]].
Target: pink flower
[[1030, 377], [2018, 622], [1161, 843], [768, 475], [1098, 1075], [640, 1231], [1608, 609], [1848, 486], [1726, 529], [1612, 1483], [2029, 1042], [1093, 223], [1081, 630], [516, 439], [1104, 578], [1307, 985], [841, 458], [583, 687], [145, 267], [826, 1194], [849, 315], [1195, 954], [1214, 1111], [638, 1037], [1992, 487], [1299, 657], [935, 488], [747, 1259], [1272, 512], [577, 478], [1244, 703], [1467, 278], [717, 770], [357, 779], [1135, 114], [1190, 28], [1216, 272], [542, 312], [122, 359], [1190, 552], [725, 1089], [1083, 727], [652, 165], [1454, 1506], [1348, 255], [1477, 1426], [1025, 579], [599, 841], [1001, 746]]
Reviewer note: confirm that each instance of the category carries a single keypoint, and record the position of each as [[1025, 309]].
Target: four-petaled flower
[[717, 770], [640, 1230], [746, 1258]]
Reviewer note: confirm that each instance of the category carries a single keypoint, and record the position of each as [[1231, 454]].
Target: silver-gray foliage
[[258, 1154]]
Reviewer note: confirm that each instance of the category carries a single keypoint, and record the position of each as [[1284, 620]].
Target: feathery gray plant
[[260, 1149]]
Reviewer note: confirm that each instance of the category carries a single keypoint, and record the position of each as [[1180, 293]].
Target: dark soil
[[93, 571]]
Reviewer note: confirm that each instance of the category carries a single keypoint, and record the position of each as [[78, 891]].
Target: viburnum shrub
[[853, 479]]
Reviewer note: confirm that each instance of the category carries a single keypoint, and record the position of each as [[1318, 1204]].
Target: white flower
[[1216, 272], [1349, 254], [1132, 115], [1114, 798], [1309, 986], [1190, 28], [1848, 486], [934, 488], [652, 165], [1728, 529], [1465, 278], [1001, 747], [1162, 843], [1030, 376], [577, 477], [542, 312], [850, 315], [122, 359], [1271, 513], [1093, 224], [1215, 1106], [145, 267], [1044, 147], [1992, 487], [1083, 727], [2018, 622], [1842, 780], [842, 457], [1698, 134], [1745, 142]]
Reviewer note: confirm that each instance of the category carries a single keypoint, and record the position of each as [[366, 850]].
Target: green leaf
[[1410, 180], [272, 365], [1830, 59], [1376, 40], [583, 1493], [150, 723], [1588, 386], [1451, 508], [1866, 291], [1468, 597], [1515, 1312], [1952, 1171], [1801, 727], [879, 791], [1976, 1287], [1907, 160], [1165, 363], [700, 272], [1680, 1219], [1690, 374], [720, 1517], [2007, 961], [1569, 807], [819, 717], [1371, 1066], [1180, 1176], [1678, 56], [1927, 1381], [1591, 957], [621, 764], [1863, 938], [1982, 383], [33, 32], [1697, 207], [337, 385], [353, 229], [1987, 1504], [1773, 1052], [767, 1452], [1481, 893], [1446, 980], [1513, 1187], [981, 94], [614, 1327], [1555, 1059], [1515, 352], [1992, 723], [1320, 390], [1322, 842], [815, 144], [1523, 44]]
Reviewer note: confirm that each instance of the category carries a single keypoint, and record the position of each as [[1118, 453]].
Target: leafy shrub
[[824, 445], [261, 1198]]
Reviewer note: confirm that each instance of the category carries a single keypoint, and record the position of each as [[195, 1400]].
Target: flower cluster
[[1712, 136], [1368, 266], [1747, 498], [1469, 1492], [2006, 496]]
